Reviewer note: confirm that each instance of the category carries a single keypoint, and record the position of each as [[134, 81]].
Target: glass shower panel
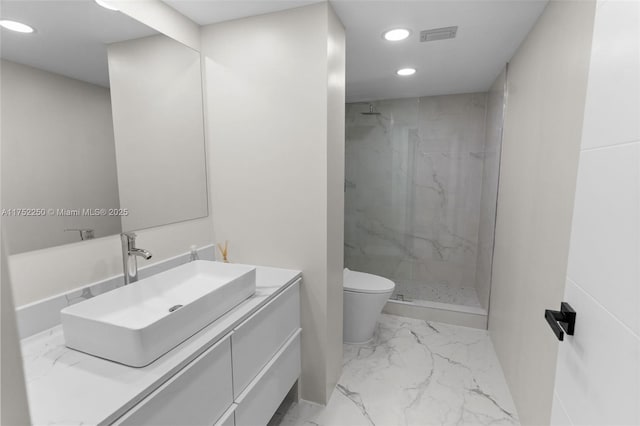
[[413, 194], [379, 204]]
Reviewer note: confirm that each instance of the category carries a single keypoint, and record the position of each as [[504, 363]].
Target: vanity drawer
[[264, 394], [198, 395], [256, 340]]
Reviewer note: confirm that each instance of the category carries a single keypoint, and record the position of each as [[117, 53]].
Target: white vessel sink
[[138, 323]]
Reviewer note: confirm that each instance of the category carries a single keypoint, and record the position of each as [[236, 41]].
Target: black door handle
[[562, 321]]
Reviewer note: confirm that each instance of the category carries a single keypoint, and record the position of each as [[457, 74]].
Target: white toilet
[[364, 297]]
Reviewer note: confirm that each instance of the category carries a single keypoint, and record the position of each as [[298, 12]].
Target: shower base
[[410, 291], [442, 303]]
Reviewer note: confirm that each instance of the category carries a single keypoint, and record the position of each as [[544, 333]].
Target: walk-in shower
[[420, 195]]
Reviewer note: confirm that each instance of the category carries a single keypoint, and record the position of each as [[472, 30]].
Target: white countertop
[[67, 387]]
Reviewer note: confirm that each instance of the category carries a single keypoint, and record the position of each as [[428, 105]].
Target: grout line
[[614, 145], [601, 306], [562, 407]]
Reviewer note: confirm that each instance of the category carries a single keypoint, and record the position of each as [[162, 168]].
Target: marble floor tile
[[415, 373]]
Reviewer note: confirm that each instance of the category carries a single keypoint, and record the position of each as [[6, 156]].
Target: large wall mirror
[[102, 126]]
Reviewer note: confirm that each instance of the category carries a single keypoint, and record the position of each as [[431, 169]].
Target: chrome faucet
[[129, 254]]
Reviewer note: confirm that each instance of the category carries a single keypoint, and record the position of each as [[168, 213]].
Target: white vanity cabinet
[[264, 394], [256, 341], [198, 395], [241, 380]]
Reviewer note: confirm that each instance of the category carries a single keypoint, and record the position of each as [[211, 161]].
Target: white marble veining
[[415, 373], [66, 387], [413, 191]]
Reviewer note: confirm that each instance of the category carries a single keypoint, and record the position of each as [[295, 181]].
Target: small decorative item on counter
[[224, 251]]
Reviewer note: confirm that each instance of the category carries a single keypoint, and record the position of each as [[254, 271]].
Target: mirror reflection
[[102, 126]]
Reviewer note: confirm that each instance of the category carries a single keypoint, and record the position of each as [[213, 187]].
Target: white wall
[[57, 152], [275, 87], [43, 273], [13, 396], [14, 408], [156, 92], [336, 63], [163, 18], [547, 81], [598, 370]]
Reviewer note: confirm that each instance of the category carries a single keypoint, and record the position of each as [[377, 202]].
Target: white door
[[598, 369]]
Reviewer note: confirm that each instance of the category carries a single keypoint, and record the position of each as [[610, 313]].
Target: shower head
[[371, 111]]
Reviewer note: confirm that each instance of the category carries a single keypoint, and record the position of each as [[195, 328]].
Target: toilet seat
[[361, 282]]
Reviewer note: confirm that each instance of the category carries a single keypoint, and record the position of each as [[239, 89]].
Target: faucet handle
[[85, 233], [129, 236], [128, 240]]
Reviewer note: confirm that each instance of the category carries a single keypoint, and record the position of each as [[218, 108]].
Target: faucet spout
[[140, 252], [129, 254]]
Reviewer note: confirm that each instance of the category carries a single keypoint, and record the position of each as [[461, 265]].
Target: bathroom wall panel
[[336, 84], [48, 119], [547, 80], [273, 89], [63, 268], [14, 409]]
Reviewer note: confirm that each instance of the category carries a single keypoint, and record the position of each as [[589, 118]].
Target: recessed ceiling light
[[106, 5], [404, 72], [396, 34], [15, 26]]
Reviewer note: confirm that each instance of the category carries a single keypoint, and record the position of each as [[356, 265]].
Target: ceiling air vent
[[438, 34]]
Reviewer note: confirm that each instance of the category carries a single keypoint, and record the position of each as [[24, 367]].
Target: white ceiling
[[70, 37], [204, 12], [488, 35]]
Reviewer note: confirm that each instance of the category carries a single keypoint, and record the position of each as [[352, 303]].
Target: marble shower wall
[[413, 193]]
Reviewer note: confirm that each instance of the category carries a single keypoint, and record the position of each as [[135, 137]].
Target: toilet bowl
[[364, 297]]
